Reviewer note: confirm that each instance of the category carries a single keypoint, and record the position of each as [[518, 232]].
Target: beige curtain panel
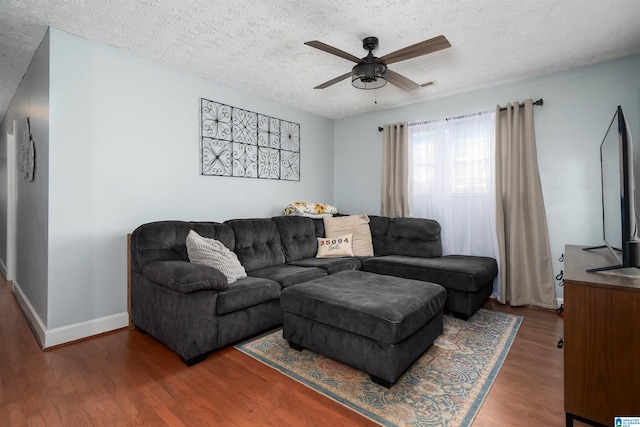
[[394, 195], [526, 272]]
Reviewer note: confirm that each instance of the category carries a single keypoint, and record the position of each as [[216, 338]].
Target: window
[[423, 156], [463, 150], [451, 180], [470, 159]]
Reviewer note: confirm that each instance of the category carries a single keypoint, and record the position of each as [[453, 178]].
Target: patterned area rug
[[444, 387]]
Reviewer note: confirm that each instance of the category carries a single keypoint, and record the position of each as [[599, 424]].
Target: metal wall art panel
[[237, 142]]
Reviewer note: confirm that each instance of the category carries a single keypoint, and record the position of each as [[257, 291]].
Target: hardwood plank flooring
[[127, 378]]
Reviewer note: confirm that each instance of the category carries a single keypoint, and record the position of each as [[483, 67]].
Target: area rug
[[444, 387]]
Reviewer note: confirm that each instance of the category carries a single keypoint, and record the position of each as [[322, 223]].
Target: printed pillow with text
[[333, 247]]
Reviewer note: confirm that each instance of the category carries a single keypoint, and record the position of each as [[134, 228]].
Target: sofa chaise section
[[411, 248]]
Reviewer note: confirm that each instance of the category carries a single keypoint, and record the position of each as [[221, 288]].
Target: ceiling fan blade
[[428, 46], [402, 82], [333, 81], [333, 50], [426, 84]]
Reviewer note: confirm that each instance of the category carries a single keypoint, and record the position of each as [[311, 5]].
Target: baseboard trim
[[34, 321], [54, 337], [3, 269], [78, 331]]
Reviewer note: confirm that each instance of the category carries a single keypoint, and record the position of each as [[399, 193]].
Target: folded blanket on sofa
[[312, 210]]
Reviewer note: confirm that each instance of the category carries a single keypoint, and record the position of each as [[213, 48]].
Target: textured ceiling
[[257, 46]]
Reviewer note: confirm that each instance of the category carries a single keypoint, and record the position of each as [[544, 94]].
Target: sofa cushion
[[384, 308], [335, 247], [288, 275], [166, 240], [319, 225], [378, 226], [416, 237], [215, 254], [258, 243], [457, 272], [330, 265], [245, 293], [358, 225], [298, 236]]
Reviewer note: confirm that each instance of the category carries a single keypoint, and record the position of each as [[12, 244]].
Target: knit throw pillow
[[358, 225], [214, 253]]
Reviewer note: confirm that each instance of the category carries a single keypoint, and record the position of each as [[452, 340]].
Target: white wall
[[30, 100], [578, 107], [125, 151]]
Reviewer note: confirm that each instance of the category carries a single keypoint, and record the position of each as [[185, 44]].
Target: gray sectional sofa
[[193, 309]]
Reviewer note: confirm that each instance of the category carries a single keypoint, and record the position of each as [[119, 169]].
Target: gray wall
[[117, 145], [578, 107], [125, 144], [30, 100]]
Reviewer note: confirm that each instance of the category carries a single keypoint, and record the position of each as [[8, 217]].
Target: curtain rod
[[539, 102]]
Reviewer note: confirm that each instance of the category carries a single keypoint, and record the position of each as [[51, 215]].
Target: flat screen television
[[619, 224]]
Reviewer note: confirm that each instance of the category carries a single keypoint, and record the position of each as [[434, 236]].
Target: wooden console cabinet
[[601, 338]]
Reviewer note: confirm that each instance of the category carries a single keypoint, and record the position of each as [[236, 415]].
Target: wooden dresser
[[601, 338]]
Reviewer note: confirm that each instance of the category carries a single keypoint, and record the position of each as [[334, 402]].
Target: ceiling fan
[[371, 72]]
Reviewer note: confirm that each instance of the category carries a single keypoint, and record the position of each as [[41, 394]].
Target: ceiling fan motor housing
[[370, 43]]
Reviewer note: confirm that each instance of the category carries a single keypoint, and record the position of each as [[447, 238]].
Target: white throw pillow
[[335, 247], [358, 225], [214, 253]]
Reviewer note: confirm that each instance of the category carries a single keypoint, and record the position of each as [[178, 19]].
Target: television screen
[[618, 195], [612, 186]]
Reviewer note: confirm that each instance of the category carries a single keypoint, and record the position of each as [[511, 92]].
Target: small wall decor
[[237, 142], [27, 152]]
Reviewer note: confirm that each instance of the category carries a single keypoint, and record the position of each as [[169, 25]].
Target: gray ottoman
[[375, 323]]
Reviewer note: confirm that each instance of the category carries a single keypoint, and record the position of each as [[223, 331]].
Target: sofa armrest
[[184, 276]]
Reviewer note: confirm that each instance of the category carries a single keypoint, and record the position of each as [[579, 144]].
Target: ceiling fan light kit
[[371, 72], [369, 75]]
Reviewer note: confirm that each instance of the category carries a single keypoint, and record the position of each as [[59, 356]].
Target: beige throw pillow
[[335, 247], [214, 253], [358, 225]]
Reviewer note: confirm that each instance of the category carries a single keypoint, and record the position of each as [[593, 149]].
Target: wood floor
[[127, 378]]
